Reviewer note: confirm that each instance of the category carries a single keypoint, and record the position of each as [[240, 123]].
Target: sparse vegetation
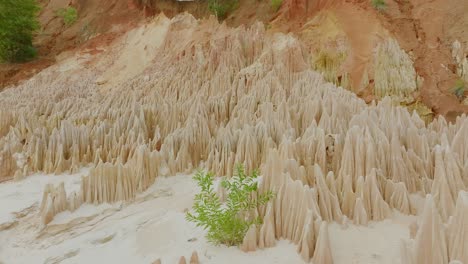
[[228, 222], [379, 5], [221, 8], [328, 63], [87, 31], [424, 112], [69, 15], [459, 89], [276, 4], [18, 22]]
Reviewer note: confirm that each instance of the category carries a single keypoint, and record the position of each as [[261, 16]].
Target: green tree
[[18, 22], [228, 222]]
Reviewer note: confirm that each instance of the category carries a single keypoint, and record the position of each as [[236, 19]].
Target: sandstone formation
[[194, 258], [216, 96]]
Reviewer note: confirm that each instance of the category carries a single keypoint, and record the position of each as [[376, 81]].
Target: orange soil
[[12, 74], [428, 29], [425, 28]]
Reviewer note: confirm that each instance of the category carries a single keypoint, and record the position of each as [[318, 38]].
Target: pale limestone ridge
[[216, 96]]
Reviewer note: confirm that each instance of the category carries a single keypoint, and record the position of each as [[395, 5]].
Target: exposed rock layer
[[217, 96]]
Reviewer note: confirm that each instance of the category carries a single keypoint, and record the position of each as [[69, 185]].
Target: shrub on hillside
[[228, 222], [459, 89], [276, 4], [18, 22], [69, 15], [380, 5], [221, 8]]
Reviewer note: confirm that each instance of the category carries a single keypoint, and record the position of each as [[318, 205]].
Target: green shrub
[[228, 222], [221, 8], [276, 4], [18, 22], [459, 89], [69, 15], [380, 5]]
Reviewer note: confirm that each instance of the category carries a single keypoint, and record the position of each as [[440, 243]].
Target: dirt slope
[[424, 29], [428, 29]]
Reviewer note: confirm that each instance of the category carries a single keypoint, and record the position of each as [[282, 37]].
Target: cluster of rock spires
[[216, 96], [394, 71]]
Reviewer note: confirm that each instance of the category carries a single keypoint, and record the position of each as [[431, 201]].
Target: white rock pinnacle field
[[98, 153]]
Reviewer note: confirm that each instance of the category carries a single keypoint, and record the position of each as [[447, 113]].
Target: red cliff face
[[428, 29]]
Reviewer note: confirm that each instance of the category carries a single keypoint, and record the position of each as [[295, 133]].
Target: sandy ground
[[144, 43], [17, 196], [153, 226]]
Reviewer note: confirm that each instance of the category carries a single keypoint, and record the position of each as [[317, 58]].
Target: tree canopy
[[18, 22]]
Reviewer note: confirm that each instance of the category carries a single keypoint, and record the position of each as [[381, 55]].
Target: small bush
[[221, 8], [228, 222], [69, 15], [276, 4], [18, 22], [379, 5], [459, 89]]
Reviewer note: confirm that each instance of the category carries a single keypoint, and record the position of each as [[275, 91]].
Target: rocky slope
[[126, 98], [374, 53], [422, 34], [174, 94]]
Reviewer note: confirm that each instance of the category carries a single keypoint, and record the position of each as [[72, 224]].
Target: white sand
[[377, 243], [16, 196], [153, 226]]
